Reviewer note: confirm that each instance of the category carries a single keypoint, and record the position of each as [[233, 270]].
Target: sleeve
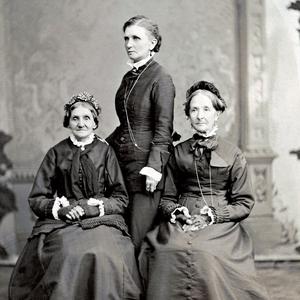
[[41, 197], [116, 198], [111, 138], [168, 202], [241, 199], [163, 94]]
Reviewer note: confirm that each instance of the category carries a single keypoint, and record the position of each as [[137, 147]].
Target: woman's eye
[[87, 118], [75, 118]]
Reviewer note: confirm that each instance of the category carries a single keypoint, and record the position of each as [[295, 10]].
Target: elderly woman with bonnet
[[201, 250], [144, 103], [79, 247]]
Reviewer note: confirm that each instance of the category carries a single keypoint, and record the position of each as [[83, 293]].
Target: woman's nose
[[80, 123], [128, 43], [200, 114]]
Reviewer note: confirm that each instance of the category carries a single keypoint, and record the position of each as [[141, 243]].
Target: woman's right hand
[[182, 215], [71, 212]]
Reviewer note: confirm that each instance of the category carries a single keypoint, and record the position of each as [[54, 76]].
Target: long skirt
[[72, 263], [142, 215], [215, 263]]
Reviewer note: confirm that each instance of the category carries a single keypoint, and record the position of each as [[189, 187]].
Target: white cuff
[[182, 209], [55, 208], [64, 201], [59, 203], [148, 171], [205, 210], [99, 203]]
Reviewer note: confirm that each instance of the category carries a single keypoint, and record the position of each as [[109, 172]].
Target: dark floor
[[282, 281]]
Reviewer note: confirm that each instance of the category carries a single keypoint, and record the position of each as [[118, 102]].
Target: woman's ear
[[153, 44]]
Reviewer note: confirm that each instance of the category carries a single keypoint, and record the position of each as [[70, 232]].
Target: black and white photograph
[[149, 150]]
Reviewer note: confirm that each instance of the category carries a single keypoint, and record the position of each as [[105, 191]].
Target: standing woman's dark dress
[[212, 258], [144, 104], [92, 257]]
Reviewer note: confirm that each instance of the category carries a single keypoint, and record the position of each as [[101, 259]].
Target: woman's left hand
[[151, 184], [76, 213], [207, 211]]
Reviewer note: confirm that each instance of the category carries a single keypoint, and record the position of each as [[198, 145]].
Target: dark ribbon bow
[[84, 186], [201, 142]]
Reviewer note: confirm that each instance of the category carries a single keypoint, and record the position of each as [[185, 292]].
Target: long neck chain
[[132, 138], [199, 184]]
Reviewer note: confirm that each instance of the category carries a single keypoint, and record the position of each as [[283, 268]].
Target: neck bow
[[201, 142]]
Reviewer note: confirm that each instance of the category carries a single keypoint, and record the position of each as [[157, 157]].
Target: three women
[[200, 251]]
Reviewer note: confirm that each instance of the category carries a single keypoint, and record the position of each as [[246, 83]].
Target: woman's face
[[138, 42], [203, 115], [82, 123]]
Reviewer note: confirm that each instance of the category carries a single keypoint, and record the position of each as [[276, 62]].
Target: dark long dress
[[144, 104], [214, 263], [90, 259]]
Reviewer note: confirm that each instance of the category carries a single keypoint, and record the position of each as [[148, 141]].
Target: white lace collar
[[82, 144]]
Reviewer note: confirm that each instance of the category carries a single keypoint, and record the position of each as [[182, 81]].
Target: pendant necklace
[[199, 184], [131, 135]]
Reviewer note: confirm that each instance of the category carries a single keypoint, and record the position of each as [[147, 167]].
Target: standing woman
[[201, 250], [144, 103], [79, 247]]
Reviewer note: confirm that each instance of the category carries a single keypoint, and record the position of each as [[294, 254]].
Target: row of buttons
[[189, 264]]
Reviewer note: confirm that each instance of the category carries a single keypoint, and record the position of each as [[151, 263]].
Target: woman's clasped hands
[[194, 222], [81, 209]]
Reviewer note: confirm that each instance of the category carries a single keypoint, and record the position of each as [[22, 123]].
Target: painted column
[[254, 122]]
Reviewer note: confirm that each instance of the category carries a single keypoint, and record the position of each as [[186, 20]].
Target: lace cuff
[[59, 203], [179, 210], [210, 211], [99, 203]]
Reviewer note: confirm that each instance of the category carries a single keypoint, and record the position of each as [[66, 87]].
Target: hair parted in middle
[[149, 25], [84, 99]]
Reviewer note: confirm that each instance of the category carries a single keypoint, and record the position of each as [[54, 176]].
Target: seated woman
[[202, 251], [79, 247]]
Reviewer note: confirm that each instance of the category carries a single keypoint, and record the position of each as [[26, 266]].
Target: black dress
[[214, 263], [145, 106], [89, 259]]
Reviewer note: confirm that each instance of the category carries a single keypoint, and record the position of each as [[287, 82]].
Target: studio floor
[[282, 281]]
